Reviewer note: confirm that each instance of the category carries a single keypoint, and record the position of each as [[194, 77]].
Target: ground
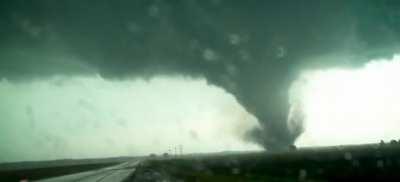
[[342, 163]]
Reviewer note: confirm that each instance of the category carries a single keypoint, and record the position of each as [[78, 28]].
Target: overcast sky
[[86, 117], [82, 79]]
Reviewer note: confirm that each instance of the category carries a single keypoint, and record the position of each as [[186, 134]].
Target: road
[[109, 174]]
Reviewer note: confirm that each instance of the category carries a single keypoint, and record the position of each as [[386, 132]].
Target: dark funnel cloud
[[253, 49]]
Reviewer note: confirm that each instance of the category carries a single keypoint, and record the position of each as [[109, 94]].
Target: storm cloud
[[252, 49]]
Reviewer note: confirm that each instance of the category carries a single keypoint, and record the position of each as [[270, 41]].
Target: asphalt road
[[109, 174]]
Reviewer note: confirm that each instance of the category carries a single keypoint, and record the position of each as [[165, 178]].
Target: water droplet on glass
[[235, 171], [379, 163], [234, 39], [281, 52], [355, 163], [154, 11], [347, 156], [209, 55], [302, 174]]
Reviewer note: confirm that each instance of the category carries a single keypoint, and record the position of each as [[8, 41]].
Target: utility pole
[[175, 151]]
